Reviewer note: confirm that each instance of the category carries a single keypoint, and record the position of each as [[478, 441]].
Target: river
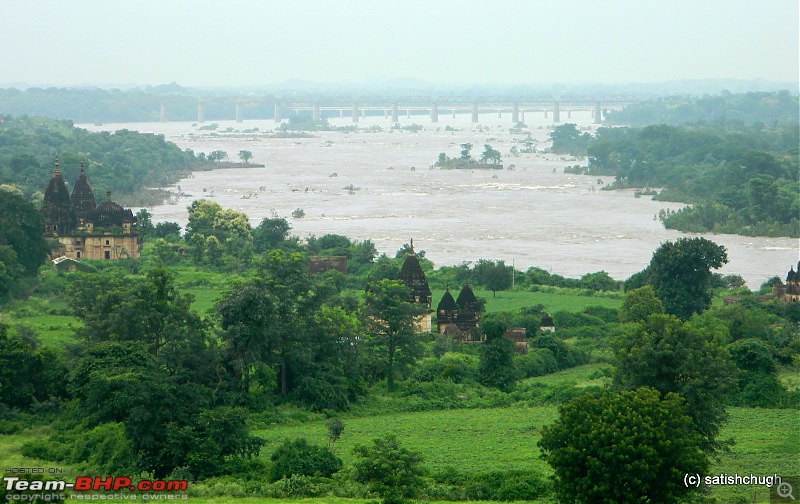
[[379, 185]]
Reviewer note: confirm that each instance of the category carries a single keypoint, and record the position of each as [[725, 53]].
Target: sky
[[511, 42]]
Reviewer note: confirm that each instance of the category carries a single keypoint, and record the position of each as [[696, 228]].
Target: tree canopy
[[623, 447]]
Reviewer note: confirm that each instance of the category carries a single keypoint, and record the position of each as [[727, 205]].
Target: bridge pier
[[341, 113], [454, 113], [475, 112], [277, 112], [201, 113], [355, 113], [434, 113], [569, 113], [522, 116], [394, 113], [545, 113], [515, 112], [315, 113], [499, 113], [408, 113], [239, 117], [163, 113], [556, 113], [598, 114]]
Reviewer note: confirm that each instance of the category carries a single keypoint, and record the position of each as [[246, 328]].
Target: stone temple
[[85, 229]]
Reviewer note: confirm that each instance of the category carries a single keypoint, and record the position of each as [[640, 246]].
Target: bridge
[[357, 106]]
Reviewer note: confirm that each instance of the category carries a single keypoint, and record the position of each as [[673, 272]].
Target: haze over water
[[533, 215]]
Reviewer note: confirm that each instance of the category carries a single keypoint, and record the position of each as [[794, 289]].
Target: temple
[[84, 229], [459, 317], [413, 277], [790, 291]]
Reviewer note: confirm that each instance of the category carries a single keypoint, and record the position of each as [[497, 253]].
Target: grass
[[53, 331], [476, 440], [514, 300]]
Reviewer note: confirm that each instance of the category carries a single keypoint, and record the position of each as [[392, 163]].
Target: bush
[[303, 459], [506, 486], [537, 362]]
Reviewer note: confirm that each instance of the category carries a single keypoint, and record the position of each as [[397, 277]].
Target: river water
[[380, 186]]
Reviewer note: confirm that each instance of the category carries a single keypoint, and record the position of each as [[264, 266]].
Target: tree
[[28, 374], [144, 222], [490, 154], [680, 274], [21, 230], [393, 472], [245, 155], [270, 232], [335, 429], [673, 357], [496, 364], [217, 155], [624, 447], [465, 155], [494, 275], [599, 281], [639, 304], [149, 310], [391, 324]]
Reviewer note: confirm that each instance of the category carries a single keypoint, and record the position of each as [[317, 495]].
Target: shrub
[[303, 459]]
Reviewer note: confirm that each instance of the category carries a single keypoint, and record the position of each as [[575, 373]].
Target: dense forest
[[145, 382], [124, 162], [739, 178]]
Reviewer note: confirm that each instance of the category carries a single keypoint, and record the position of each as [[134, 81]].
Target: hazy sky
[[251, 42]]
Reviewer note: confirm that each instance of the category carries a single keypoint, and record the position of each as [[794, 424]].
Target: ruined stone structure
[[790, 291], [322, 264], [84, 229], [413, 277]]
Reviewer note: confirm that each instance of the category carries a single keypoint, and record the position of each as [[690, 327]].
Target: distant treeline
[[776, 108], [122, 162], [94, 105], [740, 178]]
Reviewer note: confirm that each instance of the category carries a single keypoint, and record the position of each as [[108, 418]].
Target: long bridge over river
[[391, 107]]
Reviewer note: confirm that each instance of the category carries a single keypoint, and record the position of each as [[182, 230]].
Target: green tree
[[494, 275], [639, 304], [496, 363], [465, 152], [393, 472], [599, 281], [490, 155], [568, 140], [144, 222], [28, 374], [673, 357], [626, 447], [680, 274], [270, 232], [246, 156], [21, 230], [391, 324], [149, 310], [217, 155]]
